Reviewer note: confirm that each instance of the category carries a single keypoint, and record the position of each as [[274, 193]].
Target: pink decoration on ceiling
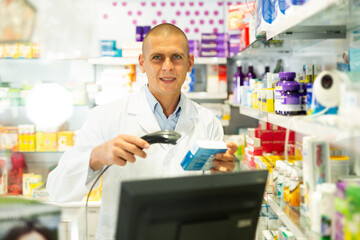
[[192, 21], [163, 4], [201, 21], [129, 13], [154, 22], [215, 30], [187, 13], [178, 13], [211, 21], [173, 21], [196, 30], [220, 3], [187, 30], [191, 4], [114, 4], [201, 3], [182, 4], [124, 4], [139, 13], [164, 21], [216, 12], [134, 22], [159, 13], [143, 4], [221, 21], [172, 4], [153, 4], [105, 16], [197, 13], [229, 3], [206, 13]]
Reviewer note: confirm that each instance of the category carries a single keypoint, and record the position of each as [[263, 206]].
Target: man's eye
[[177, 57], [157, 57]]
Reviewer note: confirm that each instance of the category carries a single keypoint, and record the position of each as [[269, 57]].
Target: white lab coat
[[131, 115]]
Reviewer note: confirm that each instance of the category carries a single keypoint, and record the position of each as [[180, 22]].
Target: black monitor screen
[[206, 207]]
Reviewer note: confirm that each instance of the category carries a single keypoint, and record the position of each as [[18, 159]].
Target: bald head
[[164, 30]]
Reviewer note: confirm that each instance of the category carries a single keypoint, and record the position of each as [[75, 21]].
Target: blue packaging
[[309, 87], [201, 155], [313, 106], [268, 10], [108, 48], [284, 5], [298, 2]]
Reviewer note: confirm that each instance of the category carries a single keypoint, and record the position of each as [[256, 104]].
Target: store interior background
[[69, 32]]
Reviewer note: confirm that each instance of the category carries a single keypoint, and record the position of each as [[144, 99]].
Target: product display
[[293, 70]]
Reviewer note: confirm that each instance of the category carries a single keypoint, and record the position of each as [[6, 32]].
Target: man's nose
[[168, 65]]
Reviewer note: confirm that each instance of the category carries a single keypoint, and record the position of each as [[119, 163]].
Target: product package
[[201, 155]]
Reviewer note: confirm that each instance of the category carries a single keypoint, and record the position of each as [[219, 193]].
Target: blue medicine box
[[201, 155]]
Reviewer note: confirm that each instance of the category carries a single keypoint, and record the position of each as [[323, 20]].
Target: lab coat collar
[[139, 107]]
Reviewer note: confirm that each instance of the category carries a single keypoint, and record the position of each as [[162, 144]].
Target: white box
[[200, 156]]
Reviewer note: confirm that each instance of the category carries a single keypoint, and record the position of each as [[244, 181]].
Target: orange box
[[8, 137], [65, 140]]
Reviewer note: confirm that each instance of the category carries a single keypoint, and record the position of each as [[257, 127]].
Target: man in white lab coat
[[111, 134]]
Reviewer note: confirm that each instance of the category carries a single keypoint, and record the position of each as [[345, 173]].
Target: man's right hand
[[119, 151]]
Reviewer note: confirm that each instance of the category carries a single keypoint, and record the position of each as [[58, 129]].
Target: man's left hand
[[225, 162]]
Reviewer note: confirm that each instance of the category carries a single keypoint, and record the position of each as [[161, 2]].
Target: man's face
[[166, 62]]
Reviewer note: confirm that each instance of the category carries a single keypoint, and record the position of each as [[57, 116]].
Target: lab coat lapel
[[145, 117], [187, 118]]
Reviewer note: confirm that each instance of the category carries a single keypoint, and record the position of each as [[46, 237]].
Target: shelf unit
[[125, 61], [320, 13], [316, 29], [206, 95], [290, 217], [323, 126]]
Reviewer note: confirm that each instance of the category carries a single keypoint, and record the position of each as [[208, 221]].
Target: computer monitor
[[207, 207]]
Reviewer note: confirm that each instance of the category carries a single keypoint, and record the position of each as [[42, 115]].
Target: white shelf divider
[[205, 95], [326, 126], [210, 60], [125, 61], [112, 61]]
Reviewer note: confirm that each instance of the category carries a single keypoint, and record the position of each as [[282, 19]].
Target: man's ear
[[141, 63], [191, 62]]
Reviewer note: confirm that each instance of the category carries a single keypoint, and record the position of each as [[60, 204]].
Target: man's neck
[[168, 103]]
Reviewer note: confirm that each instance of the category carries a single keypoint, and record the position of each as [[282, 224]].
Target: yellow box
[[46, 142], [270, 100], [65, 140], [35, 50], [11, 50], [2, 50], [25, 50]]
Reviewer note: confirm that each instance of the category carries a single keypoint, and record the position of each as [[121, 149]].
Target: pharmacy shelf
[[326, 126], [206, 95], [324, 13], [112, 61], [210, 60], [298, 14], [126, 61], [289, 217]]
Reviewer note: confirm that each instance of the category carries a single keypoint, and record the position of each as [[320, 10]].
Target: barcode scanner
[[164, 136]]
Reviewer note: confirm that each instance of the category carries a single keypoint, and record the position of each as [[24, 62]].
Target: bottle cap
[[287, 75]]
